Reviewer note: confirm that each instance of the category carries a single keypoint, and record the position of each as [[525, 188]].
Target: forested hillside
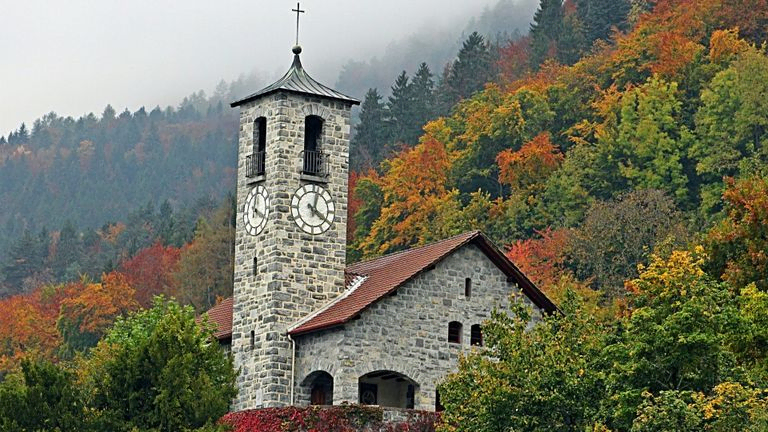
[[616, 152]]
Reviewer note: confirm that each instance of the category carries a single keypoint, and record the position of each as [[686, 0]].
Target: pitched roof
[[369, 281], [297, 80], [221, 316], [384, 275]]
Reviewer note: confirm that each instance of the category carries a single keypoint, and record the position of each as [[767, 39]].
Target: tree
[[546, 31], [159, 369], [616, 236], [369, 145], [423, 104], [599, 17], [206, 265], [400, 109], [738, 244], [150, 272], [679, 336], [89, 309], [532, 378], [42, 397], [471, 70]]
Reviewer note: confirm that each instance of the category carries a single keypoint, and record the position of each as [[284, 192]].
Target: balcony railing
[[313, 163], [254, 164]]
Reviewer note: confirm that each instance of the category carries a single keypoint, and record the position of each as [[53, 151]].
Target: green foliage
[[471, 70], [159, 369], [42, 397], [368, 146], [532, 378]]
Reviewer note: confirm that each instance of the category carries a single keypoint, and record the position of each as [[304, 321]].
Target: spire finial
[[298, 11]]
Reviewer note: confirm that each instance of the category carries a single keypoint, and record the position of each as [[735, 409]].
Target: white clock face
[[256, 210], [312, 209]]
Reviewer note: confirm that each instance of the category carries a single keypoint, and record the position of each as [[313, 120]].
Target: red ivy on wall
[[340, 418]]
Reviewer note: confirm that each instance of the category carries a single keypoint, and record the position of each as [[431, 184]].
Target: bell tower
[[290, 243]]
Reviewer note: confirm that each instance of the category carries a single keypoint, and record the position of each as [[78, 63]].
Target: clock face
[[312, 209], [256, 210]]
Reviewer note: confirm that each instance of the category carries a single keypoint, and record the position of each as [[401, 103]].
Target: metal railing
[[313, 163], [254, 164]]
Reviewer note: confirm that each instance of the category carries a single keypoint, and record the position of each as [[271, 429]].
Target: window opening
[[255, 162], [313, 128], [476, 337], [255, 267], [467, 287], [454, 332]]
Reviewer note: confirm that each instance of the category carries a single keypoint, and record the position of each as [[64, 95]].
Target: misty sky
[[77, 56]]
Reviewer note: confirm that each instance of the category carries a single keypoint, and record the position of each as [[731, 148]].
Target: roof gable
[[384, 275]]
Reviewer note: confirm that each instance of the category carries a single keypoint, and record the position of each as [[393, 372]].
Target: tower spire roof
[[297, 80]]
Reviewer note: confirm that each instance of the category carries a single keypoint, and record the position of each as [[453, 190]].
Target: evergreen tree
[[22, 262], [423, 105], [467, 74], [600, 16], [546, 31], [69, 250], [400, 105], [368, 144]]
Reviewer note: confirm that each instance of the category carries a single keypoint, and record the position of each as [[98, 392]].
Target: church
[[303, 326]]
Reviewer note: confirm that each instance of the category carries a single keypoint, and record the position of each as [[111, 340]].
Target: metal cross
[[298, 11]]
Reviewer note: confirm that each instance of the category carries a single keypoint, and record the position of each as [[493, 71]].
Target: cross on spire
[[298, 11]]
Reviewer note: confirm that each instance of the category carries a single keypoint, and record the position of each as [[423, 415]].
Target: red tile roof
[[369, 281], [221, 316], [384, 275]]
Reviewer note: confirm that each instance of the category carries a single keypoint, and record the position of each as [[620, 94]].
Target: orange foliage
[[542, 259], [27, 325], [93, 307], [724, 45], [531, 164], [514, 59], [150, 272]]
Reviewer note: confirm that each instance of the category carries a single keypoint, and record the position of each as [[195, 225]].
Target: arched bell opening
[[387, 388], [318, 386]]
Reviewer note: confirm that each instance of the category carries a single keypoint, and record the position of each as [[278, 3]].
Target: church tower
[[290, 244]]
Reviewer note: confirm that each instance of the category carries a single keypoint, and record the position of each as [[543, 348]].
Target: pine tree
[[546, 31], [467, 74], [368, 144], [423, 89], [400, 104], [600, 16]]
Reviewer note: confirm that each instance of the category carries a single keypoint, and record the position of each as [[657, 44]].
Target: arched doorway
[[319, 386], [387, 388]]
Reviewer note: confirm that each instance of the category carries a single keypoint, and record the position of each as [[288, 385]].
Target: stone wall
[[407, 332], [295, 272]]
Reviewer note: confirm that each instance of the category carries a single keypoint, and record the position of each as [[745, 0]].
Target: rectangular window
[[467, 287]]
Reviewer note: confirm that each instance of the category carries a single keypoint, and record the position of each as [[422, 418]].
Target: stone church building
[[304, 327]]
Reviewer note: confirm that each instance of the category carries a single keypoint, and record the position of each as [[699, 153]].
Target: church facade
[[305, 328]]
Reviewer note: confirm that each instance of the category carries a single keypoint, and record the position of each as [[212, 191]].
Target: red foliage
[[514, 59], [542, 259], [28, 325], [339, 418], [151, 271]]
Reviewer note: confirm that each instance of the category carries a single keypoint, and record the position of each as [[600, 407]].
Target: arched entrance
[[387, 388], [319, 387]]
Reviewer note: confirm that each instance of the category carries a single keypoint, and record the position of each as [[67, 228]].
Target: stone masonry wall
[[295, 272], [407, 333]]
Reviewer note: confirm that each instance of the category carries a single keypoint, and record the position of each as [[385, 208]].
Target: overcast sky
[[77, 56]]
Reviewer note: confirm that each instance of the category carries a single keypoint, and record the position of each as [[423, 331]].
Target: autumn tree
[[90, 308], [678, 337], [738, 243], [206, 265], [150, 272], [618, 235]]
